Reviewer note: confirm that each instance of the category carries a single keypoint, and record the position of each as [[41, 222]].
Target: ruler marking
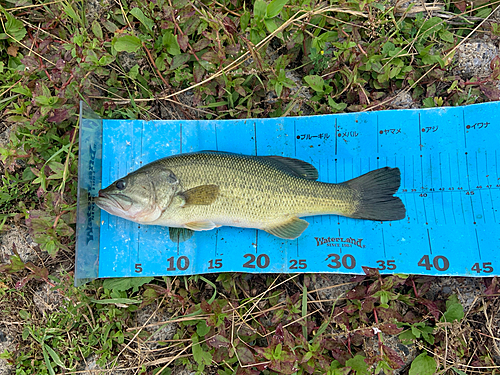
[[467, 169], [340, 249], [297, 246], [477, 242], [383, 242], [378, 149], [180, 136], [216, 143], [422, 188], [256, 241], [442, 187], [468, 187], [482, 205], [336, 131], [337, 181], [465, 129], [138, 242], [216, 241], [429, 240], [425, 212], [179, 247], [142, 138], [461, 191], [496, 167], [419, 133], [295, 139], [477, 169], [472, 208], [255, 136], [480, 190], [413, 186], [328, 170], [421, 173], [440, 171], [433, 191], [490, 188]]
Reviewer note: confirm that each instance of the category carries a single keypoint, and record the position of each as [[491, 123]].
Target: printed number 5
[[138, 267], [389, 265]]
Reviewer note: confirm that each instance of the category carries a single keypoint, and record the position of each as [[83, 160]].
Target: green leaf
[[202, 328], [110, 301], [434, 23], [407, 337], [106, 60], [244, 20], [428, 103], [337, 107], [14, 28], [454, 310], [423, 365], [127, 43], [483, 12], [387, 47], [270, 25], [358, 364], [315, 82], [126, 283], [68, 9], [137, 13], [201, 357], [447, 36], [47, 362], [275, 7], [97, 29], [259, 9], [179, 60], [55, 356], [171, 44]]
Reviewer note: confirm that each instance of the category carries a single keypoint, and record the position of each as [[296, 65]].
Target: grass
[[214, 60]]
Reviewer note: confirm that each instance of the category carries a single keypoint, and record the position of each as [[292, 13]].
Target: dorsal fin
[[295, 167], [291, 166]]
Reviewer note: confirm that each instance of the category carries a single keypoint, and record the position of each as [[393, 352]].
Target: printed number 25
[[386, 265], [301, 262]]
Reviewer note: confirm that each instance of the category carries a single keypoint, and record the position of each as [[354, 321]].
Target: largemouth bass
[[205, 190]]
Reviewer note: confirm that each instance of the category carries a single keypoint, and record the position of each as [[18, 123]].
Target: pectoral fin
[[290, 229], [200, 225], [179, 235], [200, 195]]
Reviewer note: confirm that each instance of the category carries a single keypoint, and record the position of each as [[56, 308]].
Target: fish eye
[[120, 184]]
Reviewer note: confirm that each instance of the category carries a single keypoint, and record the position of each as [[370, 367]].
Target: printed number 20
[[262, 261]]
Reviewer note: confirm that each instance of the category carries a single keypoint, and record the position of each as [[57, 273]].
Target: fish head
[[141, 196]]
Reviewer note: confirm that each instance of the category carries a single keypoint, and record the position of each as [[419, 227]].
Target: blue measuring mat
[[450, 185]]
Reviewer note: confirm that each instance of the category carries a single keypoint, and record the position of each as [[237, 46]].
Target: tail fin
[[375, 191]]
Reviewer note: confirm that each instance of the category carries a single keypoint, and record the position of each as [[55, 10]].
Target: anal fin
[[290, 229], [200, 225]]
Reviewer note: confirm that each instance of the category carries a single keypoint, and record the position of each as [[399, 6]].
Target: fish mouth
[[109, 201]]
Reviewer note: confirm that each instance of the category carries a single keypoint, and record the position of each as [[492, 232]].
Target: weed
[[237, 60]]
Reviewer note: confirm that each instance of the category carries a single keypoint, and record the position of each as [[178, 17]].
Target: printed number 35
[[386, 265]]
